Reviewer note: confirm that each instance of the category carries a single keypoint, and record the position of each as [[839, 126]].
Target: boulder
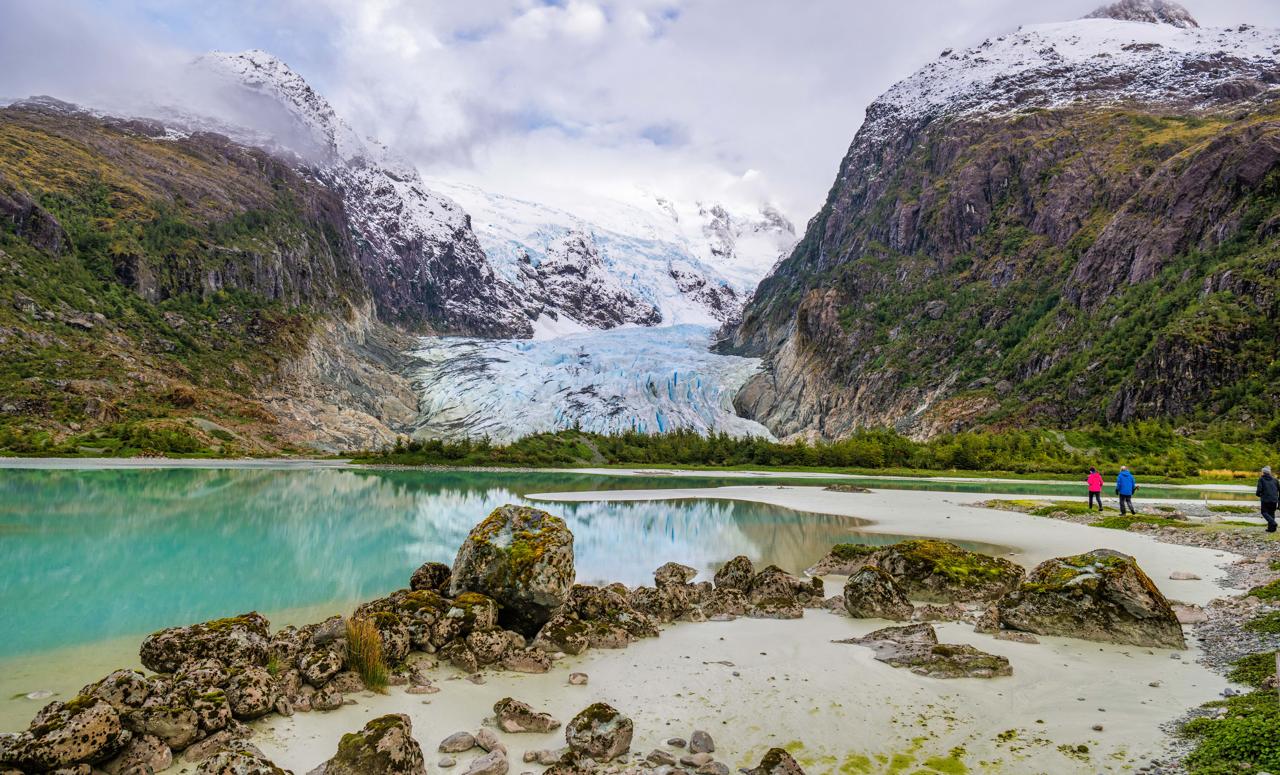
[[941, 572], [735, 574], [320, 663], [870, 593], [916, 648], [143, 754], [522, 558], [420, 610], [492, 763], [776, 594], [124, 689], [458, 742], [776, 762], [82, 730], [168, 716], [433, 576], [238, 640], [491, 646], [596, 617], [515, 716], [251, 693], [385, 746], [527, 660], [239, 762], [393, 635], [1102, 595], [600, 732], [845, 560]]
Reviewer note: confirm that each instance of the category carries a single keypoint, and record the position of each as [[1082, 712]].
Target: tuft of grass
[[1253, 669], [364, 654], [1267, 591], [1244, 740], [1265, 624], [274, 665]]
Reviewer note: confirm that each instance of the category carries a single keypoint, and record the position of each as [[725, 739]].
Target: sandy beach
[[754, 684]]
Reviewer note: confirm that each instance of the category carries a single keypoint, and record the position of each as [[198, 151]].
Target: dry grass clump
[[364, 654]]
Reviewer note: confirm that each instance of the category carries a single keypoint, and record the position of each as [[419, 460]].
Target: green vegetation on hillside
[[1154, 449], [144, 284]]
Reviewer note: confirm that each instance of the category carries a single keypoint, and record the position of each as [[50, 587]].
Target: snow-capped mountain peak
[[1150, 11]]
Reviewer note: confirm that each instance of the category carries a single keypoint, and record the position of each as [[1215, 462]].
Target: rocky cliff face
[[1073, 223], [189, 292]]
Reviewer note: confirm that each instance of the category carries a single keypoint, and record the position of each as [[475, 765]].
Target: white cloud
[[741, 99]]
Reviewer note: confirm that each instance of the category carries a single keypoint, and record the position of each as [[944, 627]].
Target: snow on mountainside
[[417, 251], [695, 264], [1116, 54]]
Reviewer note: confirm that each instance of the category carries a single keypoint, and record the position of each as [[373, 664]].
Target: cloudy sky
[[739, 100]]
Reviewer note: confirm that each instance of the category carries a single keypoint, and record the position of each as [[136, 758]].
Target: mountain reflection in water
[[91, 554]]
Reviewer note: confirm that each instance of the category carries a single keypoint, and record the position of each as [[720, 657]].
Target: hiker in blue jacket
[[1125, 487]]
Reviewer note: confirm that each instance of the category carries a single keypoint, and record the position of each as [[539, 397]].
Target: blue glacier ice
[[645, 379]]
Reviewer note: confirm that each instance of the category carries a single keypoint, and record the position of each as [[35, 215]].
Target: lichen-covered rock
[[491, 646], [916, 648], [1102, 595], [168, 716], [124, 689], [432, 576], [522, 558], [420, 610], [320, 663], [776, 594], [326, 699], [460, 655], [941, 572], [211, 706], [84, 729], [648, 600], [735, 574], [237, 640], [844, 560], [467, 613], [239, 762], [870, 593], [725, 603], [597, 617], [143, 754], [394, 636], [600, 732], [776, 762], [251, 693], [385, 746], [527, 660], [286, 646], [493, 763], [516, 716], [674, 573]]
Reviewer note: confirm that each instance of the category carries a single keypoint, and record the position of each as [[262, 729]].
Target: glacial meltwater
[[94, 558]]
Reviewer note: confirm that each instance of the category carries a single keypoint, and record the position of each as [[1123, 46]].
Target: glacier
[[650, 380]]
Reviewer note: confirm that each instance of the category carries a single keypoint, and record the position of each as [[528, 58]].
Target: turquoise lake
[[92, 558]]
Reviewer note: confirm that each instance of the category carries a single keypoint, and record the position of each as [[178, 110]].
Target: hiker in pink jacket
[[1095, 488]]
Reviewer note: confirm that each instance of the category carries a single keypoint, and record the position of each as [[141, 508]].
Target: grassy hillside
[[150, 289]]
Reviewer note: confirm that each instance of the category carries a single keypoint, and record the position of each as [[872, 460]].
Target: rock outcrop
[[1102, 595], [385, 746], [522, 558], [927, 569], [916, 648]]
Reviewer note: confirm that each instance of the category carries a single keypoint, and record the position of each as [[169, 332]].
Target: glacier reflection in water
[[91, 554]]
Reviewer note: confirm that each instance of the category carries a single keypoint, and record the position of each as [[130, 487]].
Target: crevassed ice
[[647, 379]]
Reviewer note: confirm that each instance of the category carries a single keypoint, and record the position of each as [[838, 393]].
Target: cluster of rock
[[1101, 595], [916, 648]]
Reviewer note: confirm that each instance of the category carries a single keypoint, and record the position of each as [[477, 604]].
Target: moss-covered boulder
[[600, 732], [1102, 595], [870, 593], [521, 557], [776, 762], [775, 594], [82, 730], [844, 560], [431, 576], [385, 746], [239, 762], [237, 640], [735, 574], [420, 610], [941, 572], [915, 647], [594, 617]]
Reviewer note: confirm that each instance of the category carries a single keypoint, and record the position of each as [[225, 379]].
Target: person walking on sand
[[1125, 487], [1095, 488], [1269, 494]]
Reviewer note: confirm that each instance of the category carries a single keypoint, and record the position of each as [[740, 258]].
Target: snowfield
[[644, 379]]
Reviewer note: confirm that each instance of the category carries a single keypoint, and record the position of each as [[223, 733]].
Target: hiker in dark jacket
[[1269, 494]]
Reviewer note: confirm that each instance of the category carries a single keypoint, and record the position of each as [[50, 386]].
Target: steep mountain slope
[[1073, 223], [418, 254], [694, 263], [148, 284]]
